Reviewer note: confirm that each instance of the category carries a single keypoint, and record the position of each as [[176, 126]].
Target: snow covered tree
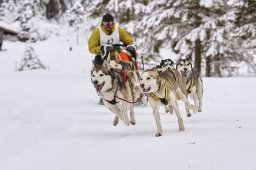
[[25, 22], [8, 11], [75, 17], [30, 60], [29, 31], [199, 30]]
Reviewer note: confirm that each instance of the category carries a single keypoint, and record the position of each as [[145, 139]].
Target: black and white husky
[[115, 93], [166, 65], [194, 83]]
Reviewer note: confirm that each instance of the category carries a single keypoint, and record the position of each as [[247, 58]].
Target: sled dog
[[167, 65], [162, 89], [115, 93], [128, 70], [194, 83]]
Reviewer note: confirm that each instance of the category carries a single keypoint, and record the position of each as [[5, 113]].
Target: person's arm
[[125, 37], [94, 42]]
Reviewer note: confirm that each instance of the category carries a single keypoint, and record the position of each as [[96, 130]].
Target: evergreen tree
[[25, 22], [75, 17], [30, 60], [8, 11]]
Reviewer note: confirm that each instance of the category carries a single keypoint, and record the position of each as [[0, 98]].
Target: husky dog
[[129, 71], [167, 65], [115, 96], [194, 83], [163, 89]]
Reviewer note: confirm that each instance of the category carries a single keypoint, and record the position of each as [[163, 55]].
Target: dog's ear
[[105, 64], [177, 63], [161, 63], [108, 58], [118, 57], [189, 60], [93, 64]]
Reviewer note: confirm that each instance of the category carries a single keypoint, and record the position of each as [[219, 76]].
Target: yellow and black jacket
[[94, 40]]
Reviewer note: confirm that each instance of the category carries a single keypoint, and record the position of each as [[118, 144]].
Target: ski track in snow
[[51, 120]]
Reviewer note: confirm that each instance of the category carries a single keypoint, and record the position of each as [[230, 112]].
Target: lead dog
[[194, 82], [162, 89], [115, 96]]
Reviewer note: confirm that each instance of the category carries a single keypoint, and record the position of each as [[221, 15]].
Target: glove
[[131, 49], [105, 49]]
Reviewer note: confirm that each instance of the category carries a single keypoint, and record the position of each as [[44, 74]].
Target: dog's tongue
[[98, 88], [184, 73]]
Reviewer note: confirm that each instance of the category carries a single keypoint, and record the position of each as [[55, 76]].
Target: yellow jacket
[[94, 40]]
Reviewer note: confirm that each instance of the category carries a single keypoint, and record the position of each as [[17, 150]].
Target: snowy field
[[50, 120]]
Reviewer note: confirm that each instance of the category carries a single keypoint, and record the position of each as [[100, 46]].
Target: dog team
[[120, 86]]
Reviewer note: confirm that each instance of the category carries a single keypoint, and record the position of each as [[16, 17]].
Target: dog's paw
[[200, 109], [181, 129], [170, 109], [115, 121], [144, 101], [158, 134], [181, 126], [133, 122]]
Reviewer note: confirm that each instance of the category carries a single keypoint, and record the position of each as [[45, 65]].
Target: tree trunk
[[208, 67], [52, 9], [63, 6], [197, 62]]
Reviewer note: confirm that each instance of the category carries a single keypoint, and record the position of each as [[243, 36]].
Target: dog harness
[[113, 101], [192, 83], [162, 100], [189, 90]]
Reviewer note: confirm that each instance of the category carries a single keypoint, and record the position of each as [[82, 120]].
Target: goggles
[[104, 23]]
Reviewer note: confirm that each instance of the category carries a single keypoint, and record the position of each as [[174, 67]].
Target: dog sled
[[117, 83], [124, 55]]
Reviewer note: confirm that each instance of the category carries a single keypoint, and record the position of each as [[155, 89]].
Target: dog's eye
[[101, 75], [181, 64], [93, 75], [148, 78], [116, 65], [188, 64]]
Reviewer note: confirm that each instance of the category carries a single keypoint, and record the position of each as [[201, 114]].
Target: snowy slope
[[50, 120]]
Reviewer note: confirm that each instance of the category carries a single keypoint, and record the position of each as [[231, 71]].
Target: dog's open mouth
[[146, 90], [184, 73], [99, 87]]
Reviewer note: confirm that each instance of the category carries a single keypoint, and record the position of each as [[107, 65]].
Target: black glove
[[105, 49], [131, 49]]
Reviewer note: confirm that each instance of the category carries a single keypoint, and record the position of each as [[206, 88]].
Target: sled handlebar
[[117, 46]]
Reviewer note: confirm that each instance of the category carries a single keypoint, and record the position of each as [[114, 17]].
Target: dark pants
[[98, 60], [1, 43]]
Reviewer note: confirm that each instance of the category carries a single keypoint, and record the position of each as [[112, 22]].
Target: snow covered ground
[[50, 120]]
